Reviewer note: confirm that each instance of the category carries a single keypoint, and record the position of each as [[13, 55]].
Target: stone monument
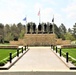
[[41, 35]]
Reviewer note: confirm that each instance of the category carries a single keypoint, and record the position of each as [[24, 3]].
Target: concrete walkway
[[39, 59]]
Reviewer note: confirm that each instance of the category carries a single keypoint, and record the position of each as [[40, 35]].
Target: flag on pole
[[24, 19], [39, 16], [53, 23], [39, 13], [53, 19]]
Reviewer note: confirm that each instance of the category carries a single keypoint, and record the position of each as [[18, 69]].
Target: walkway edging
[[69, 65], [6, 68]]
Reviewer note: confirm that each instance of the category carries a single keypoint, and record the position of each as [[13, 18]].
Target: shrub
[[2, 63], [6, 41], [73, 61], [70, 59]]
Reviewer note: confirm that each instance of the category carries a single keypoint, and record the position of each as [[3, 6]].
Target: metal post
[[17, 52], [60, 52], [22, 49], [56, 49], [67, 57], [10, 58], [25, 48]]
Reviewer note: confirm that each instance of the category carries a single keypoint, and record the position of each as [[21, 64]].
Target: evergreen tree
[[56, 30], [74, 30], [62, 30], [70, 30]]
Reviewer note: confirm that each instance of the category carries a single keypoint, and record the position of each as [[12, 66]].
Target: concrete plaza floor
[[39, 59]]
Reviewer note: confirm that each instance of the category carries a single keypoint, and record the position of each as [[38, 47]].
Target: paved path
[[39, 59]]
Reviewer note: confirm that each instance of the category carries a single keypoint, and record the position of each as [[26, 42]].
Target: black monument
[[34, 28], [42, 28]]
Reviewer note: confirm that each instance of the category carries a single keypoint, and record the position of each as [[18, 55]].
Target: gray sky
[[14, 11]]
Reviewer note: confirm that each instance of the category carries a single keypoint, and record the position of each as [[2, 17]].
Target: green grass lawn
[[72, 54], [5, 53], [71, 51]]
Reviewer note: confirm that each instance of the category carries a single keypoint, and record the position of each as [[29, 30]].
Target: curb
[[8, 67], [71, 66]]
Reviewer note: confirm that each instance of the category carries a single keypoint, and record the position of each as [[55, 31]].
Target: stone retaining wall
[[11, 46], [39, 39], [68, 46], [19, 42], [62, 42]]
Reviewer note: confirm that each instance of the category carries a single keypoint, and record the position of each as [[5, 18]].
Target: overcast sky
[[14, 11]]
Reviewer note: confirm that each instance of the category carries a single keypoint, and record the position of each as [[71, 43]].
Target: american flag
[[24, 19], [39, 13]]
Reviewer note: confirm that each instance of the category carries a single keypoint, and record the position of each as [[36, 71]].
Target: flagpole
[[53, 23], [53, 30], [53, 27], [26, 24], [25, 19], [39, 14], [39, 18]]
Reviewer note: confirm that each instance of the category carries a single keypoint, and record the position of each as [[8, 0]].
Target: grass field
[[5, 53], [72, 54], [71, 51]]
